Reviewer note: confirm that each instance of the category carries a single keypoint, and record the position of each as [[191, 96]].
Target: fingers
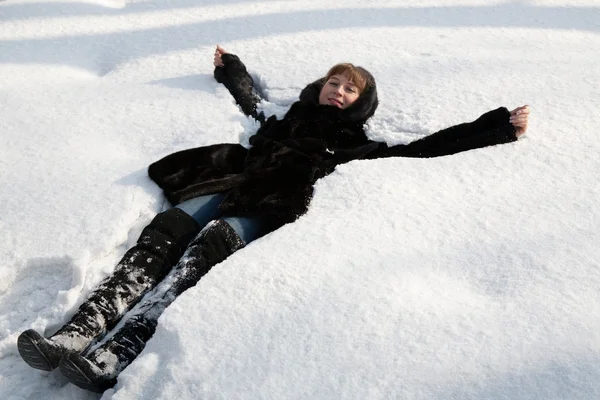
[[217, 59], [519, 121], [219, 51], [519, 116], [520, 110]]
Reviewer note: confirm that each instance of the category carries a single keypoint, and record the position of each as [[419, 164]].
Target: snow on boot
[[158, 248], [39, 352], [98, 370], [85, 374]]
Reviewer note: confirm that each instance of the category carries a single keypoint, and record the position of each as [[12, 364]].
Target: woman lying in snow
[[226, 196]]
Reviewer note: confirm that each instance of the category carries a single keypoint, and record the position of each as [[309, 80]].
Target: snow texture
[[473, 276]]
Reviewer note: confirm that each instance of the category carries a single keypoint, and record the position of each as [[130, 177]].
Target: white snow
[[473, 276]]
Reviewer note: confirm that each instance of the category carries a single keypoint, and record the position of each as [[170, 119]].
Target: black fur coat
[[275, 177]]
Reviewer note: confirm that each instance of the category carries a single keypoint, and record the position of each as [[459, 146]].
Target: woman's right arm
[[231, 72]]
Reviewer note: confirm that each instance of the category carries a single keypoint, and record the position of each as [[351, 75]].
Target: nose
[[339, 90]]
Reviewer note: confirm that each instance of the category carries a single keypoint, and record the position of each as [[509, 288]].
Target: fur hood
[[360, 111]]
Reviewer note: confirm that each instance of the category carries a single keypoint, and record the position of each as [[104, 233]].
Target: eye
[[333, 83], [352, 90]]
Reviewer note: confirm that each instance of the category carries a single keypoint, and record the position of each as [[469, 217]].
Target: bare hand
[[519, 118], [218, 53]]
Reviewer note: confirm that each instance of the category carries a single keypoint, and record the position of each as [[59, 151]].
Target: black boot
[[98, 370], [158, 248]]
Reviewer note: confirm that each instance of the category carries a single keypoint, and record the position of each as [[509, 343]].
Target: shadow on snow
[[102, 53]]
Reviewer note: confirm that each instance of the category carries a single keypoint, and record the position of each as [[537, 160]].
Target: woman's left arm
[[493, 127]]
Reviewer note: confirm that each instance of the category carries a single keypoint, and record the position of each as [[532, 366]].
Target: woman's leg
[[159, 247], [203, 209], [247, 228], [97, 371]]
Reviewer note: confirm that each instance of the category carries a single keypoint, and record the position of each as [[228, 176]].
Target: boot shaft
[[158, 248], [213, 245]]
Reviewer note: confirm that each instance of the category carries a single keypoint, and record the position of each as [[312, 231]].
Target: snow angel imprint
[[224, 196]]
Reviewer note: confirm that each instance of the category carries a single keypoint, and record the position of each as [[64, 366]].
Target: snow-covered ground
[[474, 276]]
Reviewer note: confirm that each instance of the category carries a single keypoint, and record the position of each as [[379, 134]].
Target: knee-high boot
[[98, 370], [158, 248]]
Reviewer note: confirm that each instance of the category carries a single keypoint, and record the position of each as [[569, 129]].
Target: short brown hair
[[358, 75]]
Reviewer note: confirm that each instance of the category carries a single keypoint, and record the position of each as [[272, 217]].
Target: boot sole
[[35, 352], [77, 370]]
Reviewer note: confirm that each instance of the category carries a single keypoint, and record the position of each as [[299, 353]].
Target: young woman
[[224, 197]]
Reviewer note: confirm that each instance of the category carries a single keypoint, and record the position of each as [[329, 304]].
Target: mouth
[[336, 103]]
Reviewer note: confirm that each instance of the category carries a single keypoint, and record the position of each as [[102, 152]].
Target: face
[[338, 91]]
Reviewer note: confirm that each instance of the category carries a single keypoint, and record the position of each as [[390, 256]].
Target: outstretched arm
[[231, 72], [494, 127]]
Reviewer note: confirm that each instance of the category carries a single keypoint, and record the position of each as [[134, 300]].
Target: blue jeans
[[205, 208]]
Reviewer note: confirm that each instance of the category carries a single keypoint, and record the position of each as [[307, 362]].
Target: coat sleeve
[[240, 84], [199, 171], [490, 129]]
